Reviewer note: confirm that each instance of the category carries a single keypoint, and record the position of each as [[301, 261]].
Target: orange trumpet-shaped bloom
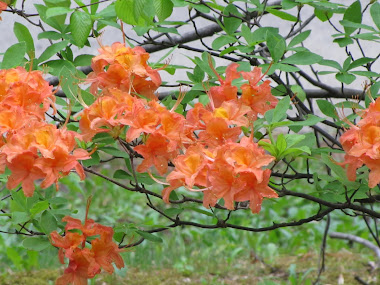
[[84, 262], [362, 145], [80, 269], [156, 151], [218, 133], [144, 121], [226, 91], [127, 70], [25, 171]]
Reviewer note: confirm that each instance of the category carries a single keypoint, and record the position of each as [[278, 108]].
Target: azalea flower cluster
[[84, 262], [362, 145], [206, 147], [30, 147]]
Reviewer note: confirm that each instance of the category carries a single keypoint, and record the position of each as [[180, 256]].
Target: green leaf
[[149, 236], [299, 92], [125, 11], [327, 108], [121, 174], [173, 211], [95, 159], [36, 243], [345, 77], [276, 45], [285, 67], [350, 24], [222, 41], [375, 14], [231, 24], [310, 121], [39, 207], [23, 35], [14, 256], [366, 36], [83, 60], [247, 34], [281, 14], [163, 8], [20, 217], [303, 58], [353, 14], [281, 143], [299, 38], [342, 42], [14, 56], [103, 138], [338, 170], [55, 36], [360, 62], [48, 222], [323, 14], [80, 27], [114, 151], [331, 63], [56, 11], [293, 139], [52, 50], [281, 109], [366, 73], [288, 4]]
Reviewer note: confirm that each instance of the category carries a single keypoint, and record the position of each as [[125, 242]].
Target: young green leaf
[[353, 14], [23, 35], [345, 77], [299, 38], [375, 13], [327, 108], [303, 58], [276, 45], [283, 15], [231, 23], [281, 109], [149, 236], [48, 222], [36, 243], [80, 27], [14, 56], [163, 8], [52, 50]]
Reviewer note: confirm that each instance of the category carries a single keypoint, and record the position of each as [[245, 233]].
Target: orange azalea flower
[[79, 269], [190, 167], [60, 165], [85, 263], [247, 156], [127, 70], [249, 188], [25, 171], [28, 90], [236, 175], [233, 112], [106, 251], [144, 121], [226, 91], [67, 244], [156, 151], [362, 145], [218, 133], [258, 97]]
